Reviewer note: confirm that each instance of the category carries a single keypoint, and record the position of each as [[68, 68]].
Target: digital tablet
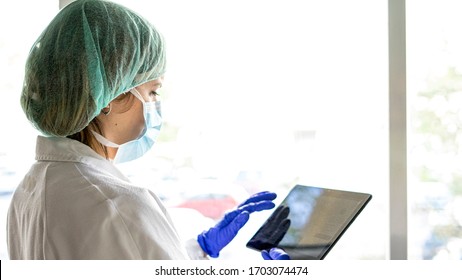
[[309, 221]]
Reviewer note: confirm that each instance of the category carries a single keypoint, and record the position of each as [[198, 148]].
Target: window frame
[[397, 130]]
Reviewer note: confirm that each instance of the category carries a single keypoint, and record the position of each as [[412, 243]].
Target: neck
[[111, 152]]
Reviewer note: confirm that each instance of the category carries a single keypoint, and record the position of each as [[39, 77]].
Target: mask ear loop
[[104, 141], [136, 93]]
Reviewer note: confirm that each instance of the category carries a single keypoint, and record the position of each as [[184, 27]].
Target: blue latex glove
[[275, 254], [217, 237]]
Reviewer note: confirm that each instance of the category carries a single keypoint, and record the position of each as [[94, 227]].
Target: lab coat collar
[[61, 149], [64, 149]]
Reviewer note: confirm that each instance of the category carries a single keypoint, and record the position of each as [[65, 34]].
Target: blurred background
[[263, 95]]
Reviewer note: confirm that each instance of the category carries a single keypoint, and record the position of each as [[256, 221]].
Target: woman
[[91, 86]]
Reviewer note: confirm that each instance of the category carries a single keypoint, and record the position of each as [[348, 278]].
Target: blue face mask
[[138, 147]]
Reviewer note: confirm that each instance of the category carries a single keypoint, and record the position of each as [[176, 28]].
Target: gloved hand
[[217, 237], [273, 230], [274, 254]]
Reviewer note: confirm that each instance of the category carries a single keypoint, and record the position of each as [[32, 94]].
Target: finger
[[265, 255], [278, 254], [229, 217], [236, 224], [241, 219], [257, 206], [251, 207], [265, 195]]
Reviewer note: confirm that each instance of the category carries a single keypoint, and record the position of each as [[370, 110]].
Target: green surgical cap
[[89, 54]]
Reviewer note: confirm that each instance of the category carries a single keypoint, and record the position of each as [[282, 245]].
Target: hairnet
[[89, 54]]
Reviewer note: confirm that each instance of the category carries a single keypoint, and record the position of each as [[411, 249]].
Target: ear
[[107, 110]]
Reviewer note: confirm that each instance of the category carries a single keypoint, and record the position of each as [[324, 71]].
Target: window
[[434, 52], [261, 95]]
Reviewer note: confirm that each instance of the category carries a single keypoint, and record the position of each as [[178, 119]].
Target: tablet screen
[[309, 221]]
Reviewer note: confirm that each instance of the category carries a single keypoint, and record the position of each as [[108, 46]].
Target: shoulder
[[79, 184], [92, 202]]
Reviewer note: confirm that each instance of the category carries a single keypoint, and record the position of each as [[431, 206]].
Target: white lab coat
[[75, 204]]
